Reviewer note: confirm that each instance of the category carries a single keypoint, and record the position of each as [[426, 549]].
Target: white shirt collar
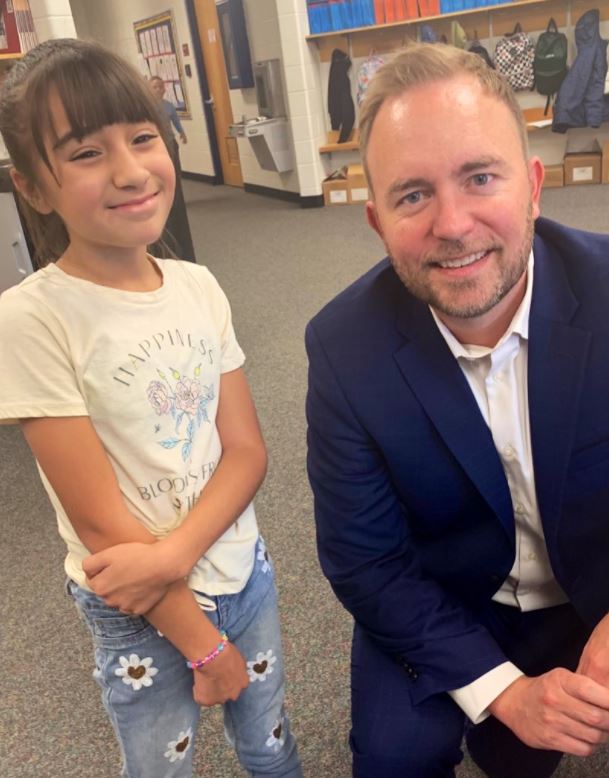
[[518, 326]]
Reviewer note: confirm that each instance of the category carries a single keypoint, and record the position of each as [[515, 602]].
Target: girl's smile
[[141, 205]]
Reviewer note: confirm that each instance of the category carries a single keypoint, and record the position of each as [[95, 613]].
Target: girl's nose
[[128, 169]]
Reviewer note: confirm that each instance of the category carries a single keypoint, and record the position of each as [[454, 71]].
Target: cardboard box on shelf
[[583, 167], [335, 188], [555, 176], [357, 184]]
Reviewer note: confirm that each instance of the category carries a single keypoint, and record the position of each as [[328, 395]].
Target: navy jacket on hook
[[581, 101]]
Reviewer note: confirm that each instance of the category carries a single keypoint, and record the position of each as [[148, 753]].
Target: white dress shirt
[[498, 379]]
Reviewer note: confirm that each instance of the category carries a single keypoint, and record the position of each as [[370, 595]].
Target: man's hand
[[559, 710], [222, 679], [131, 576], [594, 661]]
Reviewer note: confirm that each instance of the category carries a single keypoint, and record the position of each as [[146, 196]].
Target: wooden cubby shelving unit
[[486, 22]]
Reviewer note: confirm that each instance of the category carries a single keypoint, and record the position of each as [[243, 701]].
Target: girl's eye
[[87, 154], [144, 137]]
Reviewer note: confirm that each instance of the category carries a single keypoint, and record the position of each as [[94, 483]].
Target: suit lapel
[[436, 379], [558, 354]]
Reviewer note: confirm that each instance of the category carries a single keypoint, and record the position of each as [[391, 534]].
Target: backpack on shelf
[[550, 63], [514, 56], [477, 48], [365, 73]]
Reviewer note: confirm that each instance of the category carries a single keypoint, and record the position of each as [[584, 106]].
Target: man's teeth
[[463, 261]]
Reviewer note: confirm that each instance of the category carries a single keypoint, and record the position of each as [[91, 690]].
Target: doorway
[[208, 29]]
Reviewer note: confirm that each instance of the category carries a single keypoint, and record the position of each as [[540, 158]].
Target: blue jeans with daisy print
[[147, 688]]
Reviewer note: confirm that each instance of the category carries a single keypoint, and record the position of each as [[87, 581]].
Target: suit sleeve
[[368, 554]]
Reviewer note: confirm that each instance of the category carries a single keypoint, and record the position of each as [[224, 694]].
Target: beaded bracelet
[[199, 663]]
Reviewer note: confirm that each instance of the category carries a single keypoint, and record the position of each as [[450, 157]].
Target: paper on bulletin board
[[173, 65], [142, 65], [166, 41]]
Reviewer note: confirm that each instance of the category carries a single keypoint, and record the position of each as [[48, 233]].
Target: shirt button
[[531, 556], [519, 509], [508, 452]]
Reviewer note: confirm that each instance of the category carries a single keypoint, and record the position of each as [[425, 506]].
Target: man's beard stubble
[[510, 274]]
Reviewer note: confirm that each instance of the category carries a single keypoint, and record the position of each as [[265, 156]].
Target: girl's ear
[[29, 192]]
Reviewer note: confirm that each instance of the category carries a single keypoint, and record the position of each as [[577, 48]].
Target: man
[[157, 85], [177, 235], [459, 442]]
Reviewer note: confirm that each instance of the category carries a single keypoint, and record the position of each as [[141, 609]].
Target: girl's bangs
[[94, 95]]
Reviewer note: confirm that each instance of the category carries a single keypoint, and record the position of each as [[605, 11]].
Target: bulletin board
[[157, 45]]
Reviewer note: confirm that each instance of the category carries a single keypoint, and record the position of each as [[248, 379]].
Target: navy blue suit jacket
[[415, 523]]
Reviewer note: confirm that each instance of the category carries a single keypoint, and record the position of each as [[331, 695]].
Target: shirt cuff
[[475, 698]]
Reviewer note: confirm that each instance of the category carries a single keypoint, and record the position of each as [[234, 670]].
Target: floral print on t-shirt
[[185, 401]]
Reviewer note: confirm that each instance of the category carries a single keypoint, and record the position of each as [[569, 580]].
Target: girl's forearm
[[228, 493], [179, 618]]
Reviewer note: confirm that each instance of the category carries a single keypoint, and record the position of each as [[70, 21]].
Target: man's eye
[[480, 179], [413, 198]]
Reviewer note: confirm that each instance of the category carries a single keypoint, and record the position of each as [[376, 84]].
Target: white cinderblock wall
[[304, 93], [52, 19]]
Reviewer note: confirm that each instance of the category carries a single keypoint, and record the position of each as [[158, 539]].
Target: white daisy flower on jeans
[[176, 749], [261, 666], [276, 737], [136, 672]]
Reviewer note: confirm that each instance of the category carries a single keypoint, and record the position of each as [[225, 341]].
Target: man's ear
[[30, 193], [536, 176], [373, 219]]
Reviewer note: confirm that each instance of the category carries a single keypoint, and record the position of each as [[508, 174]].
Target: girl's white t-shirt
[[145, 367]]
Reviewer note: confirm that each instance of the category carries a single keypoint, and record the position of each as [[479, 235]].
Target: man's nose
[[452, 217]]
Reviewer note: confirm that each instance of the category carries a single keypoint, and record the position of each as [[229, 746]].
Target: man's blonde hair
[[424, 63]]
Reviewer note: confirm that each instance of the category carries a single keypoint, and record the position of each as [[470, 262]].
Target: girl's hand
[[221, 680], [131, 576]]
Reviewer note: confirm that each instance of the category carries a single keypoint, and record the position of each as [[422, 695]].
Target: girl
[[126, 377]]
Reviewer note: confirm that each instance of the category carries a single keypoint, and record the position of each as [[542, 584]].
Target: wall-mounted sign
[[157, 44]]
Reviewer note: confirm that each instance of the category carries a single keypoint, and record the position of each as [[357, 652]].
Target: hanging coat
[[340, 102], [580, 101]]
